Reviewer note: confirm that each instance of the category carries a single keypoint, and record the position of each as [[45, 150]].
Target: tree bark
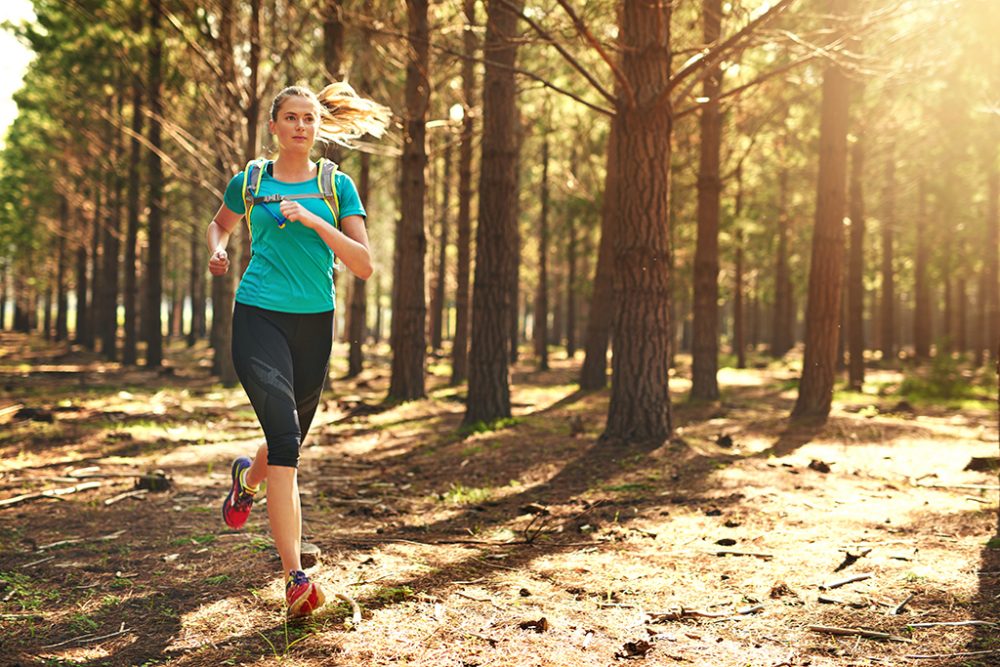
[[129, 350], [409, 307], [82, 307], [571, 281], [94, 288], [496, 232], [4, 295], [154, 262], [887, 321], [62, 300], [921, 288], [640, 400], [541, 331], [594, 373], [112, 239], [705, 346], [739, 337], [437, 298], [993, 257], [460, 346], [356, 330], [825, 271], [855, 287], [782, 331]]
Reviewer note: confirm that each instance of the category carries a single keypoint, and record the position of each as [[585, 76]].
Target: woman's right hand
[[218, 264]]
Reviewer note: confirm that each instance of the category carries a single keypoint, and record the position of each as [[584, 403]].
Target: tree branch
[[574, 63], [581, 27]]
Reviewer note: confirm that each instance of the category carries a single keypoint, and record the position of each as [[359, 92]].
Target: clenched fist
[[218, 264]]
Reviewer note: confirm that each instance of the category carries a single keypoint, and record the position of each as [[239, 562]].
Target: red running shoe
[[302, 596], [236, 507]]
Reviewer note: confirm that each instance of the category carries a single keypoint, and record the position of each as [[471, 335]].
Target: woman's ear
[[270, 126]]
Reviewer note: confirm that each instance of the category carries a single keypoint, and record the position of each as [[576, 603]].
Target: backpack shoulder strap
[[326, 179], [252, 175]]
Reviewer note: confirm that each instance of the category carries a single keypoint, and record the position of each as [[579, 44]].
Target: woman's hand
[[296, 212], [218, 264]]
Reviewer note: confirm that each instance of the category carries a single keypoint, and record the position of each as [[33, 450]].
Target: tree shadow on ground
[[987, 638]]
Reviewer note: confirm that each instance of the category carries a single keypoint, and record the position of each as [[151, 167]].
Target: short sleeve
[[347, 197], [233, 199]]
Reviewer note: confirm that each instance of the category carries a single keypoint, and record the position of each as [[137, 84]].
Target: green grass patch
[[489, 426], [393, 595], [216, 580], [459, 494], [82, 624], [25, 593]]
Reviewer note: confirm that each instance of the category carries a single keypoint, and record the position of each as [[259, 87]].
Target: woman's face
[[296, 124]]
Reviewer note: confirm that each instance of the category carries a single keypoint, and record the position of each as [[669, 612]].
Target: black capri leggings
[[281, 360]]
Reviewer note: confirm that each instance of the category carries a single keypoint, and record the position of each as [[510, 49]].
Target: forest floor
[[528, 543]]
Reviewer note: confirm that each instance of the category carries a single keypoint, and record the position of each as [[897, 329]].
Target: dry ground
[[431, 531]]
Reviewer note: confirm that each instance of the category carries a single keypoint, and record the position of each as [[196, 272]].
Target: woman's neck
[[293, 167]]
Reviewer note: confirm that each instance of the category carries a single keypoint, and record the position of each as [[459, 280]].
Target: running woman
[[283, 316]]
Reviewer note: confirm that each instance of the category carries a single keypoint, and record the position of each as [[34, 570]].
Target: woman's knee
[[283, 452]]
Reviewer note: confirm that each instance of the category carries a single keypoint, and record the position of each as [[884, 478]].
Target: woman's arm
[[350, 245], [217, 235]]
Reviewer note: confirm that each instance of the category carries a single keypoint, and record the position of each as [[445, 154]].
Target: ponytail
[[344, 115]]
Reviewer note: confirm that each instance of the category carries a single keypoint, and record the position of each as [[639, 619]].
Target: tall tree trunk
[[224, 287], [251, 116], [856, 287], [82, 307], [739, 337], [47, 312], [359, 316], [825, 271], [782, 330], [94, 312], [4, 295], [921, 288], [541, 333], [437, 298], [196, 284], [496, 231], [993, 257], [409, 308], [112, 239], [594, 373], [640, 398], [62, 294], [333, 40], [887, 321], [129, 350], [460, 346], [571, 280], [705, 346], [154, 262]]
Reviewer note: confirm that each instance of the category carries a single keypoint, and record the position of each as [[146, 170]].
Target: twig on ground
[[112, 536], [844, 582], [977, 487], [754, 554], [16, 617], [87, 639], [356, 616], [38, 562], [940, 656], [950, 623], [138, 493], [858, 632], [678, 614], [898, 609], [49, 493]]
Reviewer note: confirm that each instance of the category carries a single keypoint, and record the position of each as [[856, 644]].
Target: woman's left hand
[[296, 212]]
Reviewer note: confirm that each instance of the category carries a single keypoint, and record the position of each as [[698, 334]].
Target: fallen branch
[[356, 617], [978, 487], [754, 554], [112, 536], [678, 614], [939, 656], [86, 639], [858, 632], [950, 623], [17, 617], [844, 582], [138, 493], [898, 609], [49, 493], [38, 562]]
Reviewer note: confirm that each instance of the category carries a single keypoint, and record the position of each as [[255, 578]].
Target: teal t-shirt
[[291, 268]]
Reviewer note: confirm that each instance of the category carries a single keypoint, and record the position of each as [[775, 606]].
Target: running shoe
[[302, 596], [236, 507]]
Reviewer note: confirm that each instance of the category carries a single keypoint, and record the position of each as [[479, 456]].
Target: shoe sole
[[305, 605], [233, 472]]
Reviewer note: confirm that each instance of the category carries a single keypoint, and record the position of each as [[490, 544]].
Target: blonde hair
[[344, 115]]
